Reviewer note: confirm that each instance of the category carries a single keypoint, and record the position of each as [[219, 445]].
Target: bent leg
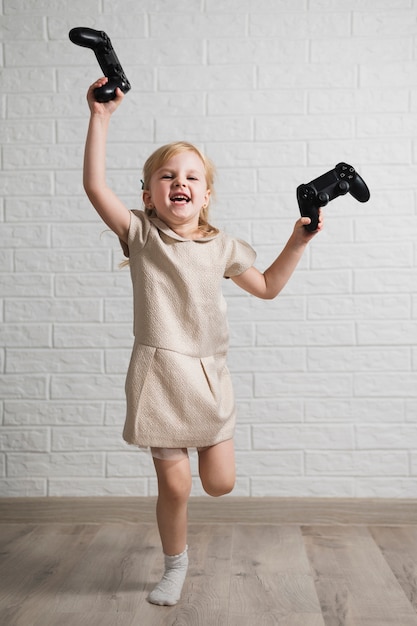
[[217, 468]]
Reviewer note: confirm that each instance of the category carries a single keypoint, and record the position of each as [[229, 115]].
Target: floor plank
[[106, 577], [355, 584], [36, 566], [399, 547], [271, 580]]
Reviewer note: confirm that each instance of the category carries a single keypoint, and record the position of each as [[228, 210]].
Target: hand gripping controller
[[320, 191], [100, 43]]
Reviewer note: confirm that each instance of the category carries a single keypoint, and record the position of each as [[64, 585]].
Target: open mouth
[[180, 198]]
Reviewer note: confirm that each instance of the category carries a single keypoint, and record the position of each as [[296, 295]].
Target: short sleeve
[[138, 233], [241, 256]]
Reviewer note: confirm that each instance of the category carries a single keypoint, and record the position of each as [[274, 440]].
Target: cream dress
[[178, 388]]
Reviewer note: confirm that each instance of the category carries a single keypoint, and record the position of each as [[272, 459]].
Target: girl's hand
[[301, 234], [103, 108]]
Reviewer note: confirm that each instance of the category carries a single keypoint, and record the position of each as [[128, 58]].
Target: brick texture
[[276, 92]]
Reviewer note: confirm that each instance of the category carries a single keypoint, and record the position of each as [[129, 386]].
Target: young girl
[[178, 388]]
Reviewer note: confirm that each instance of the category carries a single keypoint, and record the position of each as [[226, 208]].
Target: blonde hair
[[158, 158]]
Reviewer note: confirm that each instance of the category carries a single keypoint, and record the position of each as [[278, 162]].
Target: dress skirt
[[178, 401]]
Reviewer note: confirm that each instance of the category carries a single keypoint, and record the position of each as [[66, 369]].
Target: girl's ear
[[207, 196], [146, 197]]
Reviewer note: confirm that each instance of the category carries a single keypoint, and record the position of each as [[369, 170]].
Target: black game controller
[[321, 190], [100, 43]]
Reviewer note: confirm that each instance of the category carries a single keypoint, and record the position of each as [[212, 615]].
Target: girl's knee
[[174, 481], [217, 468], [219, 486], [179, 492], [176, 490]]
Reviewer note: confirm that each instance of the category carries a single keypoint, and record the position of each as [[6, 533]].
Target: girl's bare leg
[[174, 487], [217, 468]]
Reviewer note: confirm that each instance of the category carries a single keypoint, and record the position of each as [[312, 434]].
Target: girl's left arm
[[267, 285]]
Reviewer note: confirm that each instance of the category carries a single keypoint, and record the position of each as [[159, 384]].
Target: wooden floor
[[253, 562]]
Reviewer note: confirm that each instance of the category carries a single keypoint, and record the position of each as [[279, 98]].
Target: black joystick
[[102, 47], [321, 190]]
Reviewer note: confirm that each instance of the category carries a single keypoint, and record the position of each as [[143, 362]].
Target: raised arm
[[110, 208], [267, 285]]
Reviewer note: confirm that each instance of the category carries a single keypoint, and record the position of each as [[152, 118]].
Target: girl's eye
[[171, 176]]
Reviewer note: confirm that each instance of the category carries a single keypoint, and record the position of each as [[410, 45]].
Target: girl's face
[[178, 190]]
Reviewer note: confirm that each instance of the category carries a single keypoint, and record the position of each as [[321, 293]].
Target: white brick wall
[[276, 92]]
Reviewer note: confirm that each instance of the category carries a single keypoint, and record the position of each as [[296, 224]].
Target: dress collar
[[160, 225]]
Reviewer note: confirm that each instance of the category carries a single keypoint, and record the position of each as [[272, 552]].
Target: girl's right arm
[[110, 208]]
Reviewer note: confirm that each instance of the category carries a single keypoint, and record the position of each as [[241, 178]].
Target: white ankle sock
[[168, 591]]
